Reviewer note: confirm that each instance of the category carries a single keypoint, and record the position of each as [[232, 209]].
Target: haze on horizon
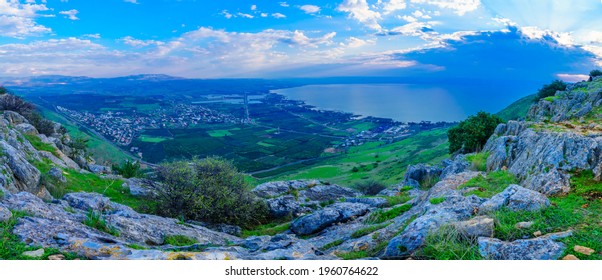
[[508, 40]]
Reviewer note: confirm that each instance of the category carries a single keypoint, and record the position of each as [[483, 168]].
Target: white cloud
[[409, 18], [264, 15], [18, 20], [245, 15], [353, 42], [127, 1], [284, 4], [70, 14], [130, 41], [394, 5], [253, 7], [93, 36], [310, 9], [360, 11], [460, 7], [278, 15], [226, 14], [572, 78]]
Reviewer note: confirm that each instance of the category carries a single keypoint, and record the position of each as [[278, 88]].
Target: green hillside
[[518, 109]]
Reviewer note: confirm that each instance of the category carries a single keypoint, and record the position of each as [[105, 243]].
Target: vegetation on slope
[[471, 134], [517, 110]]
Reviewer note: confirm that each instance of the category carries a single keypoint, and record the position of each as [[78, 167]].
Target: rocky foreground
[[562, 138]]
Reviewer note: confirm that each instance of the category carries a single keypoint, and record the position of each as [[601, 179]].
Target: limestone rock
[[26, 129], [515, 198], [275, 189], [57, 174], [34, 254], [285, 206], [523, 225], [583, 250], [421, 173], [481, 226], [542, 248], [377, 202], [5, 214], [570, 258], [99, 169], [319, 220], [57, 257], [27, 175], [458, 165]]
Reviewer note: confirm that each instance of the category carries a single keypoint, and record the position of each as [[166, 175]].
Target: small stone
[[523, 225], [57, 257], [34, 254], [583, 250], [537, 233], [5, 214], [570, 258]]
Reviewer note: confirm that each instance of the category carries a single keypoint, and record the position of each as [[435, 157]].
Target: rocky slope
[[535, 211]]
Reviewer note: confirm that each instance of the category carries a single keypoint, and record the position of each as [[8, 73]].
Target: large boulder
[[28, 177], [326, 193], [515, 198], [481, 226], [14, 118], [286, 206], [541, 248], [275, 189], [26, 129], [319, 220], [451, 167], [5, 214], [421, 174]]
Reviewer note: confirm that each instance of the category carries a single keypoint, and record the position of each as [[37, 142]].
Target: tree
[[9, 102], [3, 90], [551, 89], [128, 169], [471, 134], [594, 73], [209, 190]]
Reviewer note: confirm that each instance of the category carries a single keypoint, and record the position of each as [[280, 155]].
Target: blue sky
[[514, 40]]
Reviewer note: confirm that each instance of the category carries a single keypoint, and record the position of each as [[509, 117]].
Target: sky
[[511, 39]]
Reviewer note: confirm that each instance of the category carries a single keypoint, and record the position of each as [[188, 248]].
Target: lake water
[[408, 102]]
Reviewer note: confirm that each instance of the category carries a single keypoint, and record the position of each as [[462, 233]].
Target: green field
[[152, 139], [219, 133], [378, 161]]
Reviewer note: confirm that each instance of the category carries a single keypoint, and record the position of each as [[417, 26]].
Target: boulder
[[515, 198], [141, 187], [27, 129], [27, 175], [286, 206], [34, 254], [275, 189], [541, 248], [57, 174], [5, 214], [551, 183], [88, 201], [481, 226], [377, 202], [321, 219], [99, 169], [326, 193], [421, 173], [458, 165], [14, 118]]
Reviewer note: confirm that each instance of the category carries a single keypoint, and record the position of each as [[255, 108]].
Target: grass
[[478, 161], [137, 247], [11, 248], [398, 199], [269, 229], [97, 221], [219, 133], [437, 200], [551, 98], [152, 139], [388, 168], [332, 244], [448, 244], [367, 230], [381, 216], [37, 143], [490, 185], [579, 211], [179, 240], [518, 109]]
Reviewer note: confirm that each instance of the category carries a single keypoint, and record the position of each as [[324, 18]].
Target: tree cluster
[[471, 134]]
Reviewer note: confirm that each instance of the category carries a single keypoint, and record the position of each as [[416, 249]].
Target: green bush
[[551, 89], [448, 244], [370, 187], [594, 73], [128, 169], [210, 190], [472, 134], [179, 240], [3, 90], [437, 200]]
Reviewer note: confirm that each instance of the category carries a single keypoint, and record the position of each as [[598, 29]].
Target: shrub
[[472, 134], [594, 73], [97, 221], [551, 89], [370, 187], [437, 200], [209, 190], [448, 244], [380, 216], [128, 169], [3, 90], [478, 161], [9, 102], [179, 240]]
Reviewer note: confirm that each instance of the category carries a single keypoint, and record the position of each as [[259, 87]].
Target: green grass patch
[[179, 240], [551, 98], [437, 200], [367, 230], [381, 216], [219, 133], [398, 199], [11, 248], [37, 143], [490, 185], [264, 144], [332, 244], [152, 139], [478, 161], [448, 244], [518, 109], [137, 247], [97, 221], [269, 229]]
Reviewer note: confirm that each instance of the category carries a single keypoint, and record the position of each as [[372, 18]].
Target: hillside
[[518, 109], [532, 193]]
